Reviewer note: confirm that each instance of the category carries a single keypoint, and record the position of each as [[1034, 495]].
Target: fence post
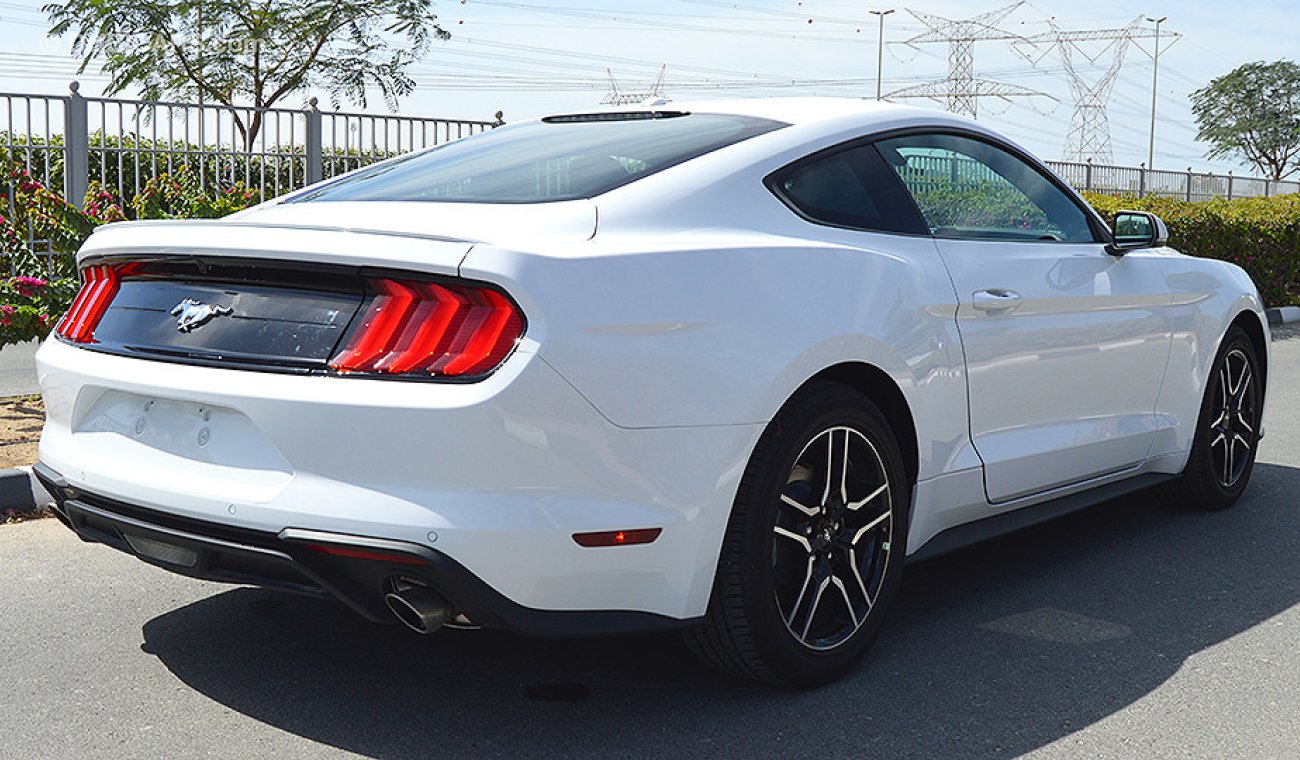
[[1142, 179], [1229, 184], [76, 147], [1189, 184], [1087, 176], [313, 143], [1266, 187]]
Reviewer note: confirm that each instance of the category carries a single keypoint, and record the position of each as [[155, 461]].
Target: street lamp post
[[1155, 73], [880, 47]]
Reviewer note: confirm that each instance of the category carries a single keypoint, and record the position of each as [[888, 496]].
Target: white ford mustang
[[719, 366]]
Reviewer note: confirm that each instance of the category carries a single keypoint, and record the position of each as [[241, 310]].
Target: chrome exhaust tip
[[419, 607]]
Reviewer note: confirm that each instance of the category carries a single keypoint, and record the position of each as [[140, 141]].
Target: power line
[[651, 23]]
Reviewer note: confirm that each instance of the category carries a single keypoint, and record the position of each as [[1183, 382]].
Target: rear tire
[[813, 553], [1227, 430]]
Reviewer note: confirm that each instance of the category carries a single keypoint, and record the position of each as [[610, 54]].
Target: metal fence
[[939, 172], [28, 126], [947, 171], [1187, 185], [70, 140]]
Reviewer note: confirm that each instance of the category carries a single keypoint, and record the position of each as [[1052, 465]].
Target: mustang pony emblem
[[193, 313]]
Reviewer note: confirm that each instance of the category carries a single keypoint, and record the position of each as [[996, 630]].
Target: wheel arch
[[1250, 322], [877, 385]]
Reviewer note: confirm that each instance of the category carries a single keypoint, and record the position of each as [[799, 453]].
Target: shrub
[[179, 196], [40, 288], [986, 204], [30, 306], [1261, 235]]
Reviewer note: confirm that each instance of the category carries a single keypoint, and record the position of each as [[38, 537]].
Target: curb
[[19, 489], [1283, 315]]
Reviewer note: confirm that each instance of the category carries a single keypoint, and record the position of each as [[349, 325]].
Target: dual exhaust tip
[[417, 606]]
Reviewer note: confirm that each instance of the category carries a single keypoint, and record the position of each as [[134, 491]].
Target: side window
[[969, 189], [850, 188]]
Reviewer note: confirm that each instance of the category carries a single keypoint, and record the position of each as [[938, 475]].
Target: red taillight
[[431, 329], [97, 291]]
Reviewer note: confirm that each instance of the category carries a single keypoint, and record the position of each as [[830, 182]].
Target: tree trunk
[[254, 127]]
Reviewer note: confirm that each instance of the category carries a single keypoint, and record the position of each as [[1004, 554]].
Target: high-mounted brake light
[[431, 329], [97, 292]]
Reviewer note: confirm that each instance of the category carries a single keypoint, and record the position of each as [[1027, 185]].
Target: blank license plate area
[[118, 423]]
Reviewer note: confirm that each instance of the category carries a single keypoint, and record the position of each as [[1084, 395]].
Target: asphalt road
[[1134, 629]]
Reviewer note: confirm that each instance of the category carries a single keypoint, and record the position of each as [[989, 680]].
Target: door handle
[[995, 300]]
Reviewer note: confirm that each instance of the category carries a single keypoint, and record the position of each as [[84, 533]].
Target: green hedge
[[986, 204], [1261, 235]]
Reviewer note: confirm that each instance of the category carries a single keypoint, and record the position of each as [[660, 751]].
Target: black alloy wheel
[[1228, 432], [813, 553]]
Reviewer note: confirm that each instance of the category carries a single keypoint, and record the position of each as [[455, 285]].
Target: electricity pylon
[[618, 97], [1089, 135], [961, 90]]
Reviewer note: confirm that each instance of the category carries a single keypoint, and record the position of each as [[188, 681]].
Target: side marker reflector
[[618, 537], [378, 556]]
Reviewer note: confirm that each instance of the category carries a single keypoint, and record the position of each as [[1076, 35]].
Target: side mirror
[[1135, 230]]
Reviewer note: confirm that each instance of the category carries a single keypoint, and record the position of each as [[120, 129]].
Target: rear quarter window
[[850, 188]]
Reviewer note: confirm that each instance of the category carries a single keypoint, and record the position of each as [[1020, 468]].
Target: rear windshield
[[557, 159]]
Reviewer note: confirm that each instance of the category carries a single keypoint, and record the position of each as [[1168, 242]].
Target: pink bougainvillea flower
[[28, 286]]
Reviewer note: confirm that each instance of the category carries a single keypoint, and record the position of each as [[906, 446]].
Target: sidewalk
[[20, 426], [18, 370]]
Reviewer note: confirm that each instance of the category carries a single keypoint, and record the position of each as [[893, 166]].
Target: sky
[[531, 57]]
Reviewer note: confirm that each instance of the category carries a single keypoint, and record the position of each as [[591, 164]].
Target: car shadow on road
[[991, 652]]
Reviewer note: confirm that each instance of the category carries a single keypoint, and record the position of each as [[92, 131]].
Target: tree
[[251, 52], [1253, 112]]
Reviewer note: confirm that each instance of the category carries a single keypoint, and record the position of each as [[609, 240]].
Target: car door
[[1066, 345]]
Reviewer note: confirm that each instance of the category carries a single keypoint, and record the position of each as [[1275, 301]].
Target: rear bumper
[[496, 475], [292, 560]]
